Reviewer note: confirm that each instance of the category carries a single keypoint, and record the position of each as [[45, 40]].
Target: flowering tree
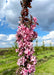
[[24, 37]]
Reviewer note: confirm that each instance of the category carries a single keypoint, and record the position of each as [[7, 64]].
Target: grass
[[46, 68], [8, 66], [8, 63], [46, 54]]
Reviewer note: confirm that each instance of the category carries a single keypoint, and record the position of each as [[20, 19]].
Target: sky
[[9, 17]]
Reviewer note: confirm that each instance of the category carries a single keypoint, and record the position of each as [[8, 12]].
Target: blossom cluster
[[25, 36]]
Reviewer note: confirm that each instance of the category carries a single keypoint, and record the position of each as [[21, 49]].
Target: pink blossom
[[29, 70], [28, 66], [24, 72], [16, 50], [35, 19], [21, 61], [24, 38], [33, 59], [20, 53], [19, 22], [33, 68], [27, 51], [17, 71], [33, 26]]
